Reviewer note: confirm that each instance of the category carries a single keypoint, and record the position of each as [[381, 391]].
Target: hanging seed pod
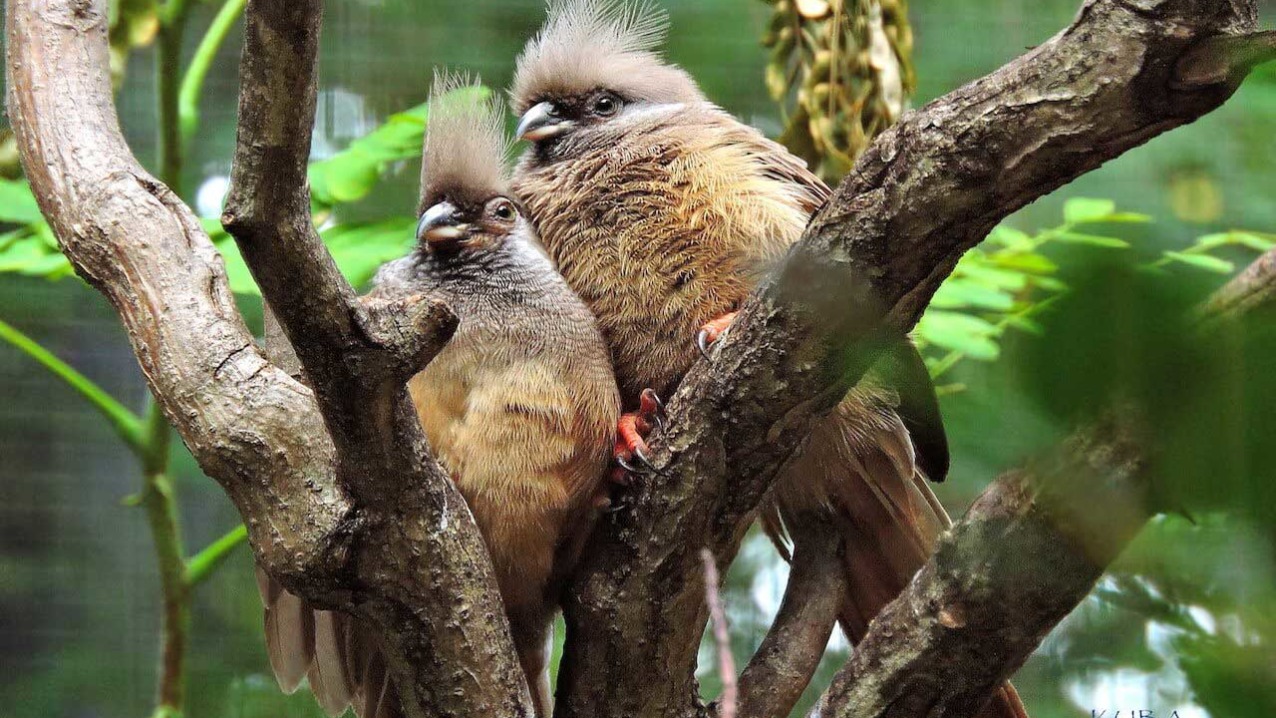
[[814, 9], [842, 71]]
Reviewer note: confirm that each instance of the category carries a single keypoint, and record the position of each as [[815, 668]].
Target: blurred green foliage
[[1007, 281]]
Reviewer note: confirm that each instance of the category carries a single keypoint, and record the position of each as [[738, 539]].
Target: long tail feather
[[337, 654], [860, 471]]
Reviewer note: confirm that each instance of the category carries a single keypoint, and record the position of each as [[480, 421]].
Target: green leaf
[[1080, 210], [237, 274], [1128, 218], [1203, 261], [1027, 262], [46, 235], [1049, 284], [1009, 237], [1025, 324], [30, 254], [958, 292], [213, 226], [1207, 242], [17, 204], [991, 276], [964, 333], [1093, 240], [1254, 241], [346, 177], [50, 266], [360, 249], [350, 175], [8, 239]]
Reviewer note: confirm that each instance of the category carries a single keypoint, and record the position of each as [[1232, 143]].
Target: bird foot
[[632, 453], [712, 331]]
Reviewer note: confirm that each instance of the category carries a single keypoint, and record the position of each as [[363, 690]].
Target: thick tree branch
[[1030, 549], [251, 427], [356, 358], [352, 515], [445, 636], [924, 193]]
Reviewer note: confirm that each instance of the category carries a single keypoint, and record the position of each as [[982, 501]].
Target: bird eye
[[606, 105], [503, 210]]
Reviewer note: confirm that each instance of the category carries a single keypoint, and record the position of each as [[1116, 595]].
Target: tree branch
[[133, 240], [1252, 290], [924, 193], [782, 667], [728, 702], [446, 637], [1030, 549], [343, 503]]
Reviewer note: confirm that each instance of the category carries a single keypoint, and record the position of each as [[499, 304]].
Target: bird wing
[[868, 462], [780, 165], [784, 174], [903, 369]]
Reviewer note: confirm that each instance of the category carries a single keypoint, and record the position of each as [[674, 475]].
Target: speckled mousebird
[[663, 212], [520, 407]]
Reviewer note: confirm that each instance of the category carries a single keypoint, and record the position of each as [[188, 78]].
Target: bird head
[[594, 64], [465, 196]]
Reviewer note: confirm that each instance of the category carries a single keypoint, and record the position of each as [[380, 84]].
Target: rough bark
[[1030, 549], [344, 504], [782, 667], [925, 192], [367, 523]]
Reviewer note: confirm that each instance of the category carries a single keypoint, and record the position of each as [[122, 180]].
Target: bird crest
[[591, 44], [465, 141]]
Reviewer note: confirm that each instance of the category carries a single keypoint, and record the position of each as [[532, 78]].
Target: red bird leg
[[712, 331], [631, 435]]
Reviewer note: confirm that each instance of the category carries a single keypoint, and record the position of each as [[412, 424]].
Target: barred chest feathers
[[661, 232]]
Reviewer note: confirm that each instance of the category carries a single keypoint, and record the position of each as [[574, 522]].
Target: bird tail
[[336, 653], [859, 468]]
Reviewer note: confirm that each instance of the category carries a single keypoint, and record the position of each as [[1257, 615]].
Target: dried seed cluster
[[842, 70]]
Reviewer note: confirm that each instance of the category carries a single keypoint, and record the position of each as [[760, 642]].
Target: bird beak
[[542, 122], [440, 224]]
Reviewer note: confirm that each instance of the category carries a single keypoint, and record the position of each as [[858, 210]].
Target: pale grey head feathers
[[600, 44], [465, 142]]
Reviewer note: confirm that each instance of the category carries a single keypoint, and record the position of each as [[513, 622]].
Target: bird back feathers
[[465, 141], [590, 44]]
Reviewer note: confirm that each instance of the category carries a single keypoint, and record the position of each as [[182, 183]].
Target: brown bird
[[520, 407], [663, 211]]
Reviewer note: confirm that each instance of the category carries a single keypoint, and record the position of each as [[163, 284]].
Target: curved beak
[[440, 224], [542, 122]]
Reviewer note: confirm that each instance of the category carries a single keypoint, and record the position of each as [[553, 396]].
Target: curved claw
[[710, 332], [631, 450], [651, 409], [623, 463], [702, 342], [643, 459]]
